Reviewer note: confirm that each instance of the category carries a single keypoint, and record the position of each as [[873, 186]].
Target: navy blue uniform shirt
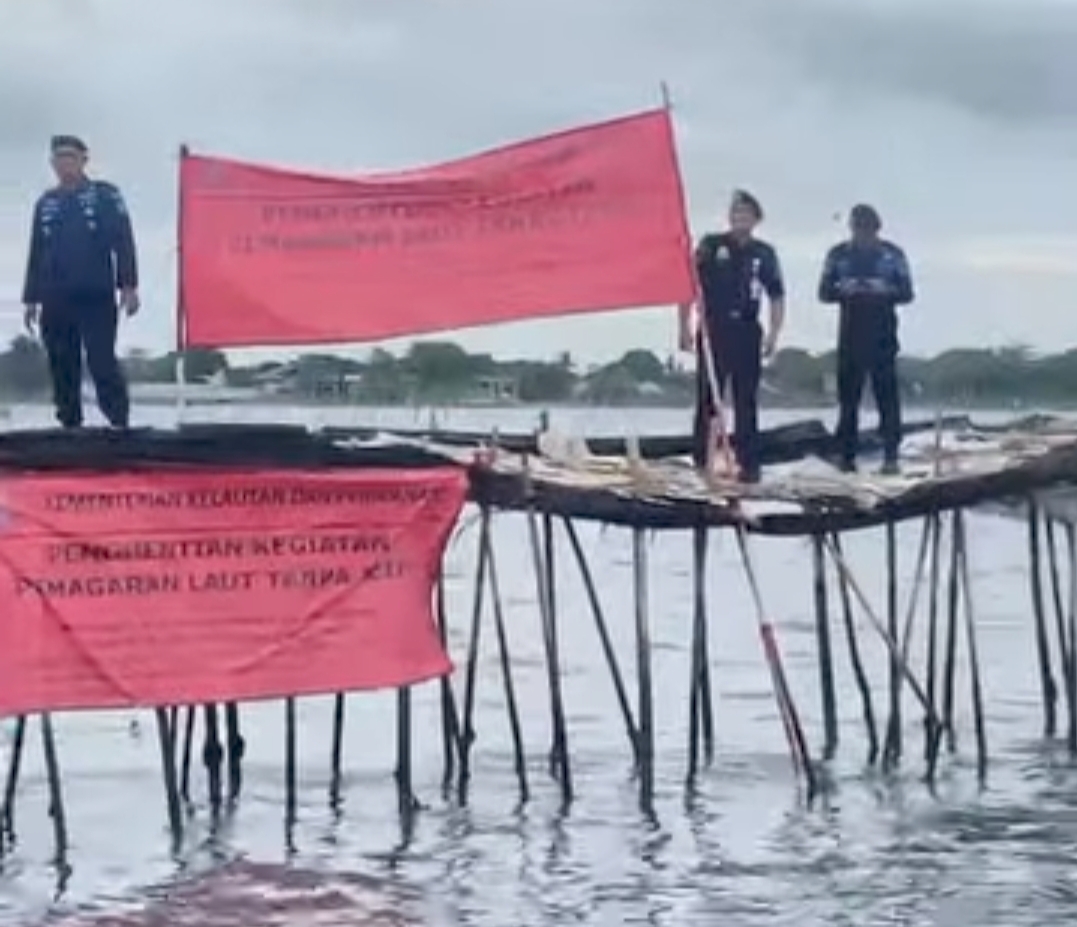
[[81, 245], [872, 276], [734, 274], [868, 282]]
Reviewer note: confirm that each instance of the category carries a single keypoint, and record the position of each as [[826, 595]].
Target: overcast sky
[[956, 118]]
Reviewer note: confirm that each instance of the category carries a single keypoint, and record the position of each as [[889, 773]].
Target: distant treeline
[[436, 372]]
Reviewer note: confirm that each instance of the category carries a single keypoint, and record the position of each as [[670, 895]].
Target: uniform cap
[[68, 143], [742, 199], [865, 217]]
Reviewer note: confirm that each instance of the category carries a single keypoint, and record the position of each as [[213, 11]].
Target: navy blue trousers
[[736, 347], [68, 329]]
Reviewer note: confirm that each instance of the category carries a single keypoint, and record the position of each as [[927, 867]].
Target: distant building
[[495, 389], [276, 378]]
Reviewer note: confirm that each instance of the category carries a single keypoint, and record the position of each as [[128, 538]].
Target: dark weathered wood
[[781, 444], [293, 447]]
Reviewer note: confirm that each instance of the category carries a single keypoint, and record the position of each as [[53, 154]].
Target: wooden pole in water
[[212, 755], [950, 669], [1048, 689], [706, 698], [188, 749], [787, 710], [407, 803], [515, 727], [236, 748], [892, 645], [1064, 644], [893, 750], [1071, 545], [546, 579], [467, 735], [559, 754], [826, 659], [931, 670], [336, 754], [7, 812], [859, 673], [168, 769], [699, 717], [56, 798], [643, 671], [559, 763], [892, 743], [979, 724], [619, 687], [874, 620], [290, 749], [450, 723]]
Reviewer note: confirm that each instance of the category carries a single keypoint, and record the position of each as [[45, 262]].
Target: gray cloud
[[1009, 62], [953, 115]]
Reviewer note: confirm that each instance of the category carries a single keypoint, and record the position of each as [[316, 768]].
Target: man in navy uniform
[[82, 252], [735, 271], [868, 278]]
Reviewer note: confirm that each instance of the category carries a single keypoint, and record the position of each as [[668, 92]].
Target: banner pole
[[717, 430], [181, 366]]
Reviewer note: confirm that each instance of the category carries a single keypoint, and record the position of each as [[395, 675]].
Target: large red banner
[[585, 220], [184, 587]]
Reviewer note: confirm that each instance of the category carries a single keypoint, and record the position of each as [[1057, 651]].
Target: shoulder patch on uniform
[[113, 193]]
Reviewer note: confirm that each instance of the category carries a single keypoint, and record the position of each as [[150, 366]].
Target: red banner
[[585, 220], [170, 588]]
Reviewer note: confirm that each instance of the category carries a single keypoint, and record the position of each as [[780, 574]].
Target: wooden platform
[[960, 465]]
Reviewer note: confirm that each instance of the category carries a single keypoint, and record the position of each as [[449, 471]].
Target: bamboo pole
[[892, 752], [859, 673], [1061, 623], [407, 803], [450, 722], [188, 749], [787, 710], [826, 660], [168, 770], [979, 723], [7, 812], [892, 742], [236, 748], [706, 698], [467, 734], [336, 753], [212, 754], [559, 760], [601, 625], [950, 667], [876, 623], [700, 720], [56, 797], [515, 727], [931, 669], [1048, 689], [290, 790], [1071, 545], [643, 670]]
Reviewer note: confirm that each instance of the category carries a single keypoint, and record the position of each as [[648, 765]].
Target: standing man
[[868, 278], [735, 270], [82, 251]]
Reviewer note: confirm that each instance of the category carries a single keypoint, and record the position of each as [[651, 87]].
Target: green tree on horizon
[[444, 372]]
